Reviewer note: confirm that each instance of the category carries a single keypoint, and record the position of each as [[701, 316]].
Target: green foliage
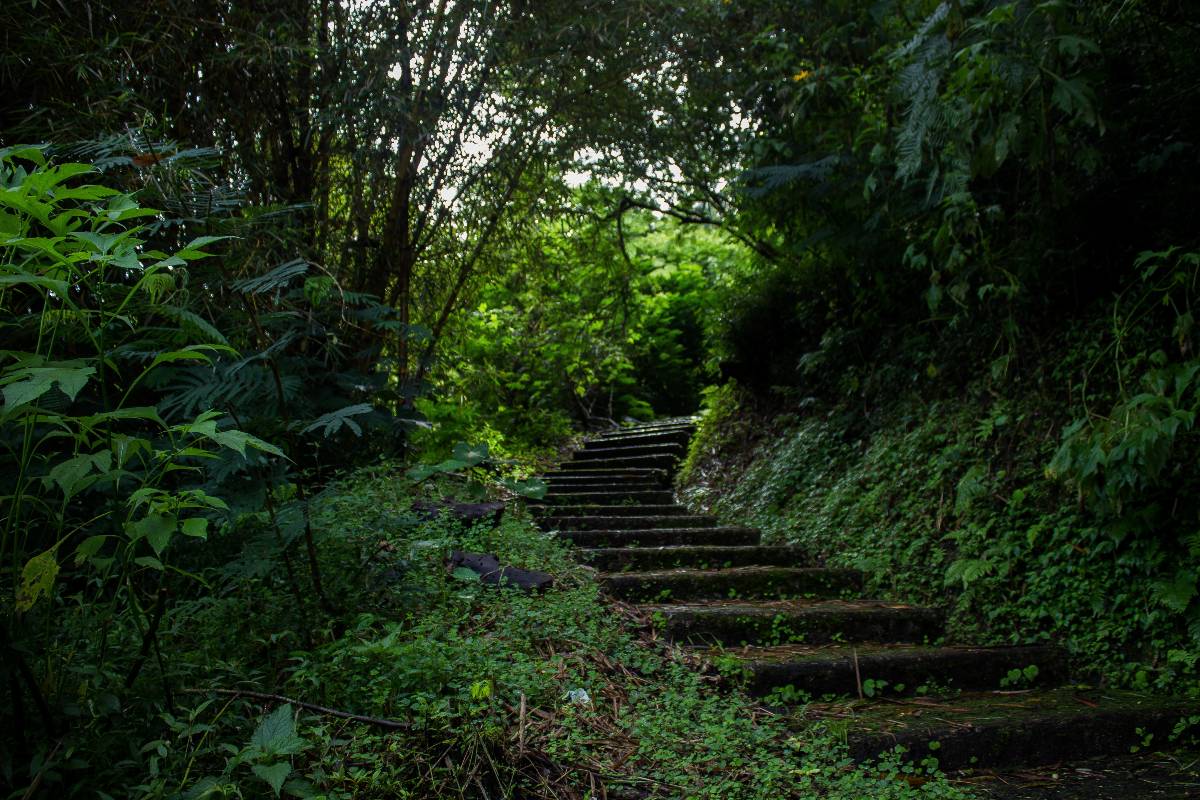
[[496, 679], [941, 508]]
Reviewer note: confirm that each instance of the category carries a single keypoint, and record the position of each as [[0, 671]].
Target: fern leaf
[[277, 278]]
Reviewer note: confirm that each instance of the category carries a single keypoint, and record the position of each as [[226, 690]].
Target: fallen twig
[[380, 722]]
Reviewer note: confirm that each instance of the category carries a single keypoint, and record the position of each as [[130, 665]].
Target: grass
[[459, 690]]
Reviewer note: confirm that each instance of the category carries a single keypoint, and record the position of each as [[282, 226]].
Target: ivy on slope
[[948, 501]]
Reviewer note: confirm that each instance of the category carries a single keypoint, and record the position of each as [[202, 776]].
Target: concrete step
[[658, 497], [733, 622], [663, 461], [987, 729], [650, 509], [838, 669], [671, 436], [626, 450], [744, 582], [616, 522], [659, 476], [688, 424], [662, 537], [1146, 775], [638, 478], [615, 559], [599, 486]]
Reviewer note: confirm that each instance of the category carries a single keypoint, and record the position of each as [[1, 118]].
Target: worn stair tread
[[603, 477], [813, 621], [569, 470], [659, 537], [684, 424], [611, 498], [839, 669], [589, 455], [642, 509], [678, 436], [557, 490], [615, 559], [1169, 775], [759, 581], [619, 521], [664, 461], [578, 488], [981, 729]]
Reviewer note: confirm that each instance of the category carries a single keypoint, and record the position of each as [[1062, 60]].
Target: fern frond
[[275, 279]]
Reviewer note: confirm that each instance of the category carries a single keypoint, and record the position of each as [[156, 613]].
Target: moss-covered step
[[655, 497], [898, 670], [782, 621], [603, 486], [648, 509], [618, 521], [618, 477], [658, 427], [985, 729], [617, 559], [1154, 775], [664, 461], [745, 582], [662, 537], [624, 450], [673, 436], [649, 473]]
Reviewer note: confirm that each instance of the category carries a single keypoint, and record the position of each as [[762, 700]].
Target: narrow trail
[[881, 671]]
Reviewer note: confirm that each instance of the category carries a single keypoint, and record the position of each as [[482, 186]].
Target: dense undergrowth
[[459, 689], [961, 493]]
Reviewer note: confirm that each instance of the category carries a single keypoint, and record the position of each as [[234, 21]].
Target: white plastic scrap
[[579, 697]]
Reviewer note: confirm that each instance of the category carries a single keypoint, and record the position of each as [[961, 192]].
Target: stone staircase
[[806, 639]]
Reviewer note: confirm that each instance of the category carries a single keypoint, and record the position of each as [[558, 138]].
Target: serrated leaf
[[37, 579], [276, 734], [33, 382], [157, 529], [465, 575], [274, 774]]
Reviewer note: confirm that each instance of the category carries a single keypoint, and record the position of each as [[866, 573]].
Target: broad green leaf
[[421, 472], [37, 579], [180, 355], [276, 734], [534, 488], [132, 412], [71, 475], [470, 453], [33, 382], [465, 575], [240, 440], [157, 529], [196, 526], [25, 279], [274, 774], [149, 561], [34, 153], [88, 548]]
